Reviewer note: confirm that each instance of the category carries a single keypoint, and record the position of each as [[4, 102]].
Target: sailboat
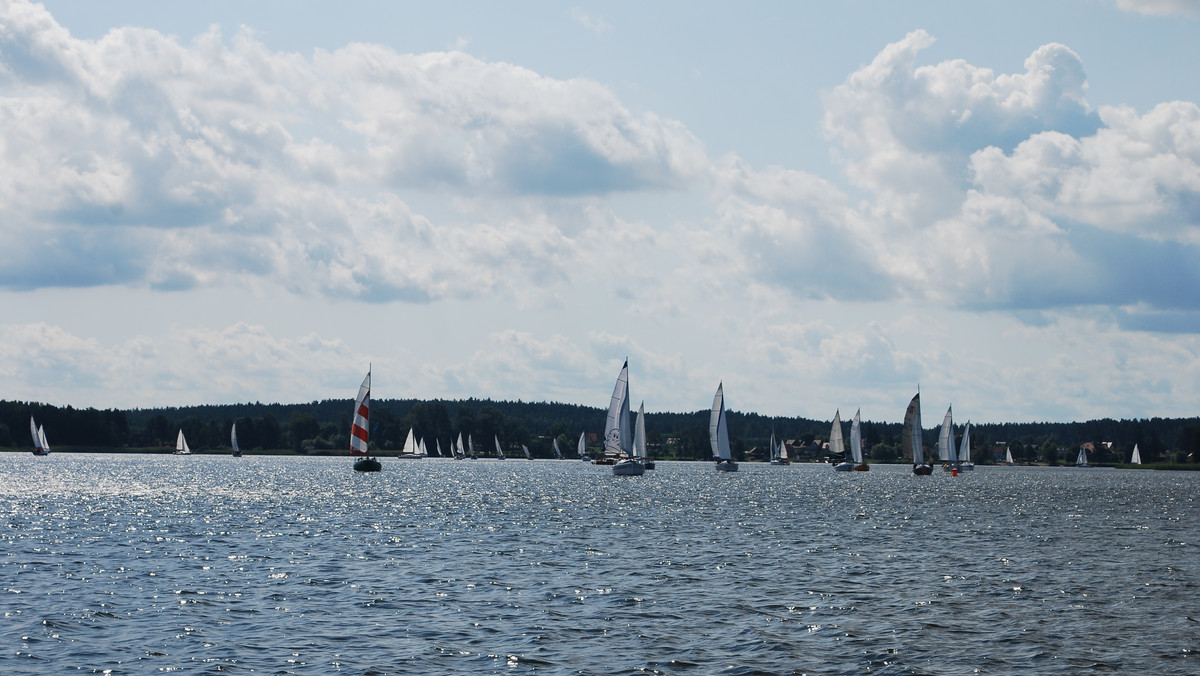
[[458, 451], [237, 452], [558, 451], [1137, 456], [836, 446], [964, 450], [499, 453], [40, 445], [528, 455], [1081, 459], [856, 454], [438, 447], [618, 432], [718, 433], [359, 429], [946, 452], [635, 465], [181, 447], [582, 447], [471, 448], [412, 449], [911, 442], [778, 452], [1008, 459]]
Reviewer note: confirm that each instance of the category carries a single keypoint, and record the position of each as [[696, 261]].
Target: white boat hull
[[628, 468]]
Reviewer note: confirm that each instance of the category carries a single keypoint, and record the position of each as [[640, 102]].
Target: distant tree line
[[323, 427]]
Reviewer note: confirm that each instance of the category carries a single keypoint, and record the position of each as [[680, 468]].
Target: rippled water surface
[[204, 564]]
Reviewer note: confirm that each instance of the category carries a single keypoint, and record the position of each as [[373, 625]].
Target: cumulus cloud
[[138, 160]]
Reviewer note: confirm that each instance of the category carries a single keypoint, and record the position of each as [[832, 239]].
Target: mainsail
[[359, 435], [910, 439], [718, 429], [618, 437], [856, 438], [946, 439]]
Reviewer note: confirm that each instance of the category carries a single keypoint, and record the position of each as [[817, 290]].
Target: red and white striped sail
[[362, 413]]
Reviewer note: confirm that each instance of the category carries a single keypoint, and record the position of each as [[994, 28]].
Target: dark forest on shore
[[322, 428]]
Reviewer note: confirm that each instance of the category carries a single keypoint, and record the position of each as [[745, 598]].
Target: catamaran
[[359, 429], [718, 433]]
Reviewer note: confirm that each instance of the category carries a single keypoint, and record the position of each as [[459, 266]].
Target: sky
[[822, 205]]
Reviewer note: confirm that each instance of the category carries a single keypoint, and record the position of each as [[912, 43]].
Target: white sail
[[1081, 459], [471, 445], [911, 442], [946, 439], [782, 451], [410, 444], [1137, 456], [618, 436], [233, 439], [836, 445], [964, 449], [45, 445], [499, 453], [33, 432], [360, 427], [856, 438], [458, 447], [582, 447], [773, 448], [557, 451], [438, 447], [1008, 459], [718, 428], [528, 455], [639, 433]]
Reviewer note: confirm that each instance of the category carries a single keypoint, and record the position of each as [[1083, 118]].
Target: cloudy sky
[[820, 204]]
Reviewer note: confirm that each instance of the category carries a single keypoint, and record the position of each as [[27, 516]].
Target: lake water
[[204, 564]]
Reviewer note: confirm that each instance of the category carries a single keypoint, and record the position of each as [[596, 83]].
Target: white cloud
[[592, 22], [1161, 7], [200, 164]]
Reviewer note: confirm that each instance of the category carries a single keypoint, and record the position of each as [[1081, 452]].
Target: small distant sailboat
[[582, 447], [40, 445], [359, 429], [836, 445], [237, 452], [499, 453], [528, 455], [856, 454], [412, 449], [471, 448], [1081, 459], [618, 430], [718, 433], [458, 451], [779, 454], [181, 445], [1008, 459], [1137, 456], [964, 450], [911, 442], [558, 451]]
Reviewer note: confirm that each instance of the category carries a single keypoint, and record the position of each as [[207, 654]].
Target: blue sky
[[820, 204]]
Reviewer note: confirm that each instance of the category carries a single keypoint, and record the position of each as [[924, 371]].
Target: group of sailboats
[[856, 462], [953, 460]]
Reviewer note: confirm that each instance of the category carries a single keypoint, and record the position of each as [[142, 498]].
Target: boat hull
[[864, 467], [368, 465], [726, 466], [922, 470], [843, 467], [628, 468]]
